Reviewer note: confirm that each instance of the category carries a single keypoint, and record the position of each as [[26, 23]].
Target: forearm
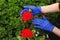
[[56, 31], [50, 8]]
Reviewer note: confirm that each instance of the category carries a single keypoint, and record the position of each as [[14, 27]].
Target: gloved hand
[[43, 24], [23, 11], [35, 9]]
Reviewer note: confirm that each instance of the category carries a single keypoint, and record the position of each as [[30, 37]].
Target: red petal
[[27, 16], [27, 33]]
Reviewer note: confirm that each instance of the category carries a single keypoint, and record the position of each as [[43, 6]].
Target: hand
[[23, 11], [43, 24], [35, 9]]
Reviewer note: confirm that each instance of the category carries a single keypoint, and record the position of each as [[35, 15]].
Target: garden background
[[11, 22]]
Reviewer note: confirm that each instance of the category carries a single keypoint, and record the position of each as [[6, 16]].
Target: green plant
[[10, 21]]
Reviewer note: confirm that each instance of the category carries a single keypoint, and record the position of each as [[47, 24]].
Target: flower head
[[26, 16], [27, 33]]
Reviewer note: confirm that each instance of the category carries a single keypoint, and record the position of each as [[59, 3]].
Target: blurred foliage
[[10, 20]]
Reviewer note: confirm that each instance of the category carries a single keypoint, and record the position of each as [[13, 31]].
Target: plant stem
[[28, 39]]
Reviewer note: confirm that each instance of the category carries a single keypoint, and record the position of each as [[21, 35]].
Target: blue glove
[[35, 9], [23, 11], [43, 24]]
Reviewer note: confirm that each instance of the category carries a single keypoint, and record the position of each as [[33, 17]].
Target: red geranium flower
[[27, 33], [26, 16]]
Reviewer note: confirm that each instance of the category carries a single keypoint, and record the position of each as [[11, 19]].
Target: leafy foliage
[[10, 20]]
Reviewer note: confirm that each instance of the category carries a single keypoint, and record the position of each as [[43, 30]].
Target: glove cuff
[[51, 27], [39, 9]]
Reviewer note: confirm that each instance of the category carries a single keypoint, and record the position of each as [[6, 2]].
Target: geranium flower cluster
[[27, 32], [26, 16]]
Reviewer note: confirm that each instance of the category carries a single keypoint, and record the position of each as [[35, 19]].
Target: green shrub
[[10, 20]]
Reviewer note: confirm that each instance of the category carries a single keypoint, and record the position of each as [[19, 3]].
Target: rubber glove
[[35, 9], [23, 11], [43, 24]]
